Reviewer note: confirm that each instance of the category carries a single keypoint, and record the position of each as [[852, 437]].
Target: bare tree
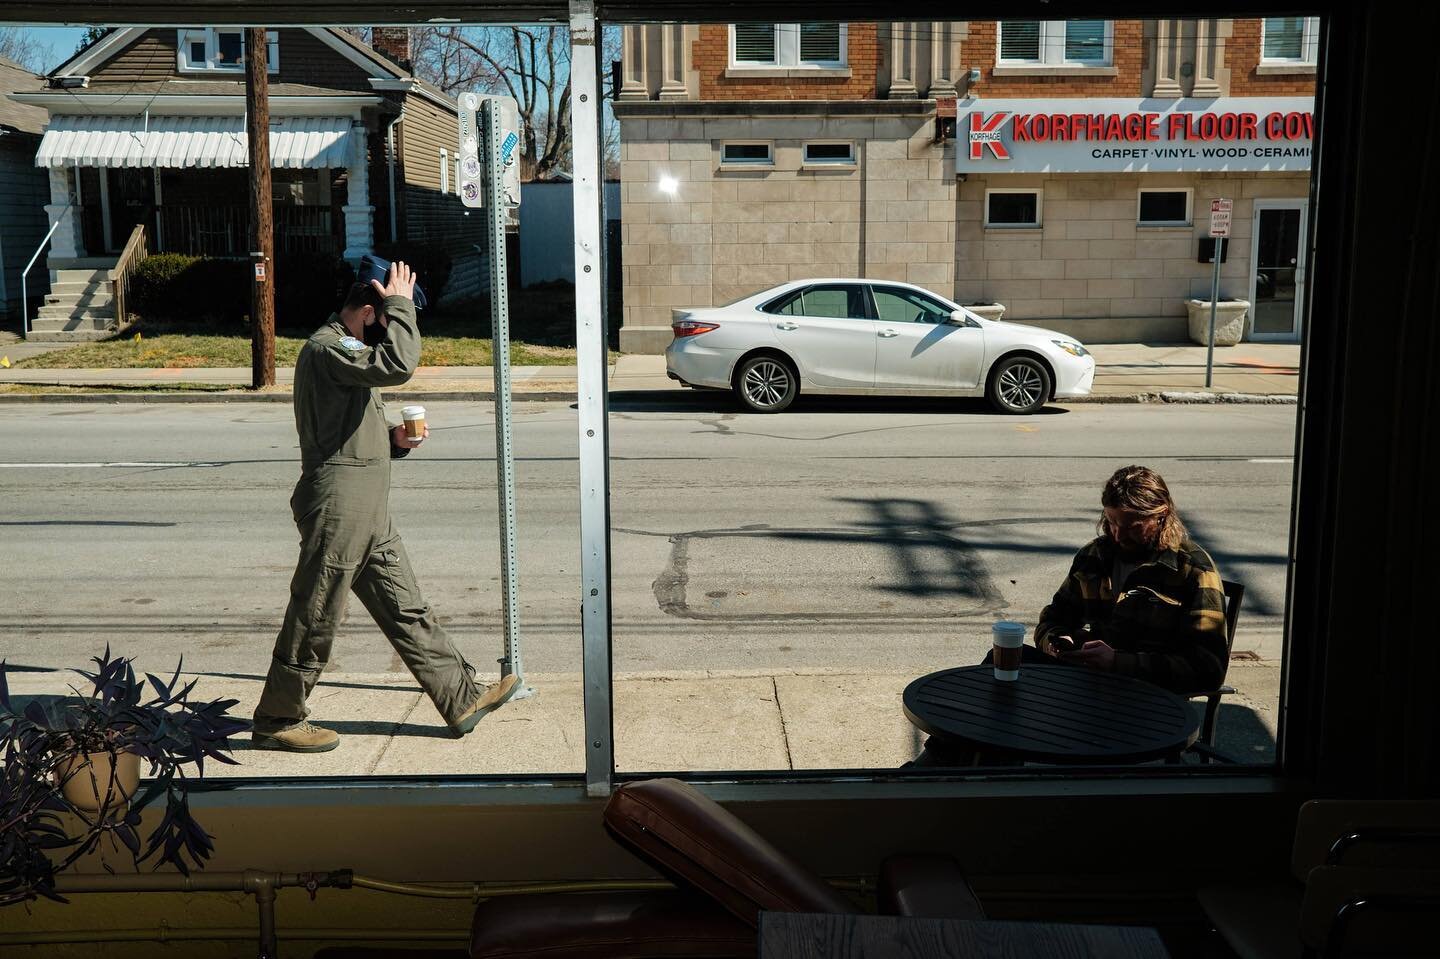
[[21, 46], [530, 64]]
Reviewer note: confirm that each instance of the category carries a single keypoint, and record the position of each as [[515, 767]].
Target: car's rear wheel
[[766, 384], [1019, 384]]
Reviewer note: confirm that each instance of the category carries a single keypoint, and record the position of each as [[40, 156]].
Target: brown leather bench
[[725, 874]]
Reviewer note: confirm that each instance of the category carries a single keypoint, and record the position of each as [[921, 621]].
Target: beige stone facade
[[725, 232], [1090, 269], [697, 231]]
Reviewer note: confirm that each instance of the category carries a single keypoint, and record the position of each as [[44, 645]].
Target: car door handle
[[786, 326], [888, 333]]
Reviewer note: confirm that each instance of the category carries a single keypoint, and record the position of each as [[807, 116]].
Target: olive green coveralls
[[347, 541]]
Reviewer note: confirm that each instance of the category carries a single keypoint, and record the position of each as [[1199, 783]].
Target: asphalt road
[[849, 533]]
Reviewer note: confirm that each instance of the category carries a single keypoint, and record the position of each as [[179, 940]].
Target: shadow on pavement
[[719, 401]]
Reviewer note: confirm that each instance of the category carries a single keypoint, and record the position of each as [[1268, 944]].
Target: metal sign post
[[1220, 232], [487, 151]]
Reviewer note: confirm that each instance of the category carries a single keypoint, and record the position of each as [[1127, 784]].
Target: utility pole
[[262, 239]]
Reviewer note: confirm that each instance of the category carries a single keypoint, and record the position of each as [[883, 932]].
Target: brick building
[[753, 154]]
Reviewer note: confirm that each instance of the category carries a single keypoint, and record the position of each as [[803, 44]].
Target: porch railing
[[224, 230], [135, 252], [25, 273]]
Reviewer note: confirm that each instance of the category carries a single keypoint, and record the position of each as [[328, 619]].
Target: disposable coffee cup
[[414, 417], [1008, 638]]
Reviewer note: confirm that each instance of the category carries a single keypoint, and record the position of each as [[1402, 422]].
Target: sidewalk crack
[[784, 733], [374, 764]]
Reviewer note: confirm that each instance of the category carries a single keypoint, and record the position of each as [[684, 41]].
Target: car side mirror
[[958, 318]]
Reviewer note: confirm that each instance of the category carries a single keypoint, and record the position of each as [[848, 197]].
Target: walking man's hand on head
[[400, 282]]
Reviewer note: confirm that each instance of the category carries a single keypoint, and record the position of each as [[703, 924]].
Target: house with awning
[[146, 142]]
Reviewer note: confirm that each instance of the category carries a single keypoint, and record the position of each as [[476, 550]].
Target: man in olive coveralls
[[341, 506]]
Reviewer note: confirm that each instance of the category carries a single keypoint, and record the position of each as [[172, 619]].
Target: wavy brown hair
[[1140, 489]]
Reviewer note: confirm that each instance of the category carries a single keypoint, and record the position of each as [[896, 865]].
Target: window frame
[[808, 161], [746, 164], [1189, 220], [1039, 208], [771, 307], [896, 289], [1051, 43], [1309, 44], [787, 51], [210, 36], [444, 171]]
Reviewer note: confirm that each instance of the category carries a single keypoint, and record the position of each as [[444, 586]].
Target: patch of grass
[[442, 344]]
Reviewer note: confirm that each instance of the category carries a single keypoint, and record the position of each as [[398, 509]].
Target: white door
[[827, 329], [917, 349], [1277, 270]]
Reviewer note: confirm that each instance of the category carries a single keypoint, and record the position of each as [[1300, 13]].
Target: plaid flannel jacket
[[1166, 622]]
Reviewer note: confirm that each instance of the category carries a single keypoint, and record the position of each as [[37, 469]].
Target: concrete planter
[[987, 311], [1230, 321]]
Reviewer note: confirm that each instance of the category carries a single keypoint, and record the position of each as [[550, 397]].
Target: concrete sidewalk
[[1250, 372], [706, 720]]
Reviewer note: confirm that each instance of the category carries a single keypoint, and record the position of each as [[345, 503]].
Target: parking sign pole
[[486, 149], [1219, 233]]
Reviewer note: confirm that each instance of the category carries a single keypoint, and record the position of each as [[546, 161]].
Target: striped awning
[[296, 143]]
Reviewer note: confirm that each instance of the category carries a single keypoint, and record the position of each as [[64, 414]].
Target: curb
[[277, 397], [557, 396]]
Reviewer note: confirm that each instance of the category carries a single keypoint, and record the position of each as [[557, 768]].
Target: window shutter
[[1019, 40], [754, 43], [820, 43], [1284, 38], [1085, 41]]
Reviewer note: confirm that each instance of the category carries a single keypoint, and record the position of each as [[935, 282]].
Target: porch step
[[70, 336], [94, 298], [63, 311], [81, 276], [83, 263], [77, 287]]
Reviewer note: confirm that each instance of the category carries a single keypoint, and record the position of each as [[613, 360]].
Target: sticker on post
[[472, 191], [508, 146], [470, 166], [259, 272]]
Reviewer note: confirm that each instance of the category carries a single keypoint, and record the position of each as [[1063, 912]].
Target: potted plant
[[70, 783]]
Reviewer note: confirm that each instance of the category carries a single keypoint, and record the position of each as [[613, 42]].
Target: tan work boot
[[491, 698], [303, 737]]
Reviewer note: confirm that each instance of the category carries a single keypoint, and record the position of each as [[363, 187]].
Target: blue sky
[[62, 42]]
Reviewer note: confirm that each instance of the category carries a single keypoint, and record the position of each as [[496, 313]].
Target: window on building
[[841, 154], [747, 154], [214, 48], [787, 44], [444, 171], [1165, 208], [1012, 208], [1056, 42], [1289, 39]]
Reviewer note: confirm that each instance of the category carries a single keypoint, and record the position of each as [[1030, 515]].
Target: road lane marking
[[1286, 460], [97, 466]]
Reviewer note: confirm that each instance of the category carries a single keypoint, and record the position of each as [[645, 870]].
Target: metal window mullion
[[787, 44], [593, 425], [1052, 41]]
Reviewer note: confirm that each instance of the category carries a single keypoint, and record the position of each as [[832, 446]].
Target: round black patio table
[[1052, 714]]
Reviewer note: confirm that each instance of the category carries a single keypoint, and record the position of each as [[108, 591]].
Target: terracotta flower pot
[[90, 787]]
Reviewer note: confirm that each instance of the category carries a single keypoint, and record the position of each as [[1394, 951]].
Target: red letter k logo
[[986, 133]]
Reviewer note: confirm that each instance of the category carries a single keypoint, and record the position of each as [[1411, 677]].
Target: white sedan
[[851, 336]]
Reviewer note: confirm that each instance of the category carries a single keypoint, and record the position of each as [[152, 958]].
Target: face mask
[[373, 335]]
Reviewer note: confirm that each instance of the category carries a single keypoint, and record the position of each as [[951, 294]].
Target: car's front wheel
[[1019, 384], [766, 384]]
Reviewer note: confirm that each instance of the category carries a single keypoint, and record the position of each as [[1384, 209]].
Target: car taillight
[[684, 328]]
